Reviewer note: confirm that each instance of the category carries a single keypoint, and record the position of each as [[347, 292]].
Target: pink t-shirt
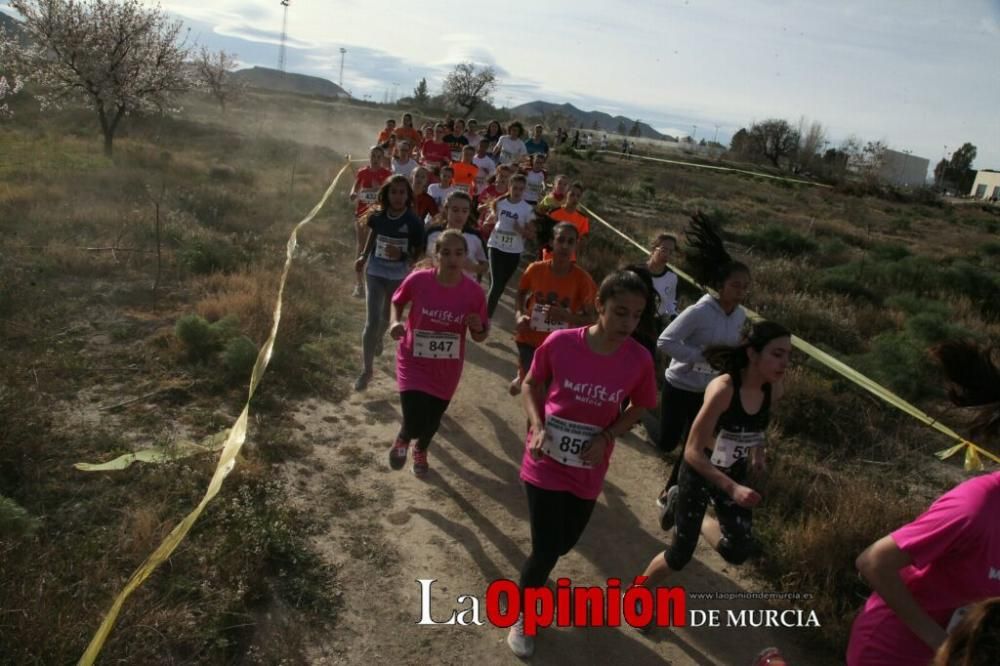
[[955, 550], [431, 354], [586, 388]]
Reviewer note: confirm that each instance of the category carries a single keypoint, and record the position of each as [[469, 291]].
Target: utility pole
[[716, 139], [342, 52], [284, 36], [694, 133]]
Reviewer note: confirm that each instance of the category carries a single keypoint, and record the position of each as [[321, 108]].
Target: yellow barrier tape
[[176, 451], [227, 460], [972, 451], [719, 168]]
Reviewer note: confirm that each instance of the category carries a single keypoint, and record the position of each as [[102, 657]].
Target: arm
[[522, 317], [673, 339], [879, 565], [369, 245], [534, 408], [718, 395], [477, 329], [594, 451], [396, 327]]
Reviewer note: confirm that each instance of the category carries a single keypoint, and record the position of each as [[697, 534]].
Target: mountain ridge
[[586, 119]]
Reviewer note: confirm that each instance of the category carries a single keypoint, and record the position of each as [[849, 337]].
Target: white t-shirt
[[404, 168], [535, 186], [511, 149], [485, 163], [473, 243], [510, 218], [666, 288], [439, 194]]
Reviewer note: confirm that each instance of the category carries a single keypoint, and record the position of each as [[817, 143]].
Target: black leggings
[[558, 518], [677, 411], [693, 497], [422, 414], [503, 265]]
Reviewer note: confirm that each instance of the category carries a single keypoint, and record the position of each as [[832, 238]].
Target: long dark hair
[[973, 377], [733, 360], [706, 254], [648, 329], [976, 639], [383, 192]]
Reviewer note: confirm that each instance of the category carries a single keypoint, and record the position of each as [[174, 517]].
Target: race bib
[[505, 239], [704, 369], [368, 196], [535, 189], [565, 439], [461, 187], [540, 322], [383, 243], [731, 447], [436, 344]]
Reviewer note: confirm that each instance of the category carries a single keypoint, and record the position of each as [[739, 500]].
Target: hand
[[758, 461], [523, 323], [397, 330], [593, 451], [745, 497], [475, 323], [359, 264], [393, 252], [537, 440]]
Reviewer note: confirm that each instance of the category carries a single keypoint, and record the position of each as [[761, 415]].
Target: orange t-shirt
[[383, 136], [576, 218], [573, 291], [410, 134], [465, 176]]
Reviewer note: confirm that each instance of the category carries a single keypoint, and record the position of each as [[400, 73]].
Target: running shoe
[[397, 454], [361, 383], [358, 292], [515, 386], [420, 466], [668, 508], [521, 645]]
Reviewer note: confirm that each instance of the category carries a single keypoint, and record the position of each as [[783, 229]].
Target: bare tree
[[214, 73], [467, 87], [118, 56], [774, 139], [810, 143]]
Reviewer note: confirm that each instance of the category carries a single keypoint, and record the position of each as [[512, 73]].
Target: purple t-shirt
[[585, 389], [431, 354], [955, 550]]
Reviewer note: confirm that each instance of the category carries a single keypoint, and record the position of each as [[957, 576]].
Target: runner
[[390, 127], [395, 240], [535, 183], [725, 448], [569, 213], [423, 204], [575, 387], [493, 133], [440, 191], [389, 152], [556, 197], [460, 215], [537, 143], [444, 304], [466, 172], [506, 241], [496, 187], [409, 133], [363, 194], [926, 573], [435, 152], [510, 147], [551, 295], [664, 279], [482, 159], [404, 164], [472, 134], [456, 140], [709, 322]]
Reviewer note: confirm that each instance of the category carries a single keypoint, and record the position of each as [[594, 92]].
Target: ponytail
[[706, 254], [734, 360]]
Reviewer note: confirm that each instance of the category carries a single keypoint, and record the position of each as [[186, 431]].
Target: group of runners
[[441, 207]]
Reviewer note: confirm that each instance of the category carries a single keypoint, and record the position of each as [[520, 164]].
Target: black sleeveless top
[[737, 433], [736, 419]]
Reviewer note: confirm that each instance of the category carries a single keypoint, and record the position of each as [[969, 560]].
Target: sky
[[919, 75]]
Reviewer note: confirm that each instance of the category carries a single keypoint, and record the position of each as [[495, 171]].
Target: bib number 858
[[571, 445]]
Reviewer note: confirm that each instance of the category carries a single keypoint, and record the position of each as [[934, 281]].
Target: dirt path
[[466, 525]]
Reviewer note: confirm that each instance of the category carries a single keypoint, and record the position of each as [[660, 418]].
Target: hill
[[273, 79], [586, 119], [13, 27]]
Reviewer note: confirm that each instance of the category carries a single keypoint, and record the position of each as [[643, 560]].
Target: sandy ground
[[466, 524]]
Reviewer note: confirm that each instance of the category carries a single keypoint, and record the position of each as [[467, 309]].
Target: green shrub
[[850, 287], [15, 520], [775, 239], [239, 357], [933, 327], [990, 248], [913, 305], [889, 252], [204, 255], [976, 283], [201, 339], [900, 361]]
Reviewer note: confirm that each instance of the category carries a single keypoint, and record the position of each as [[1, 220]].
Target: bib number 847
[[440, 345]]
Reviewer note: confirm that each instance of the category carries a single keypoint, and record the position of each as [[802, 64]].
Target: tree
[[420, 94], [214, 71], [621, 127], [740, 144], [7, 90], [873, 159], [118, 56], [959, 172], [962, 159], [811, 143], [468, 88], [595, 125], [636, 129], [774, 139]]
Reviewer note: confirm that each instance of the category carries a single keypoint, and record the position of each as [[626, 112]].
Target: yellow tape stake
[[227, 460], [176, 451], [973, 462]]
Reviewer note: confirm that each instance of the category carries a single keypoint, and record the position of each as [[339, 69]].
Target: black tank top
[[737, 433], [736, 419]]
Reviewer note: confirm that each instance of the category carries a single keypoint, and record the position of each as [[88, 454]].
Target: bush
[[774, 239], [203, 256], [239, 357], [900, 362], [889, 252], [933, 327], [977, 284], [913, 305], [202, 339], [850, 287]]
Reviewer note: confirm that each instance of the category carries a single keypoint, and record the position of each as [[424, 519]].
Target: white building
[[986, 185], [904, 169]]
